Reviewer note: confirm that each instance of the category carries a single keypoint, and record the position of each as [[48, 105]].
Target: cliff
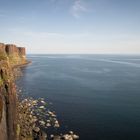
[[12, 53], [10, 56]]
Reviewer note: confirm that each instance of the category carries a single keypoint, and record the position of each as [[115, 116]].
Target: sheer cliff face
[[10, 55]]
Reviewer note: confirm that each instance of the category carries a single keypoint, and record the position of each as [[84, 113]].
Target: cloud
[[46, 35], [77, 8], [35, 34]]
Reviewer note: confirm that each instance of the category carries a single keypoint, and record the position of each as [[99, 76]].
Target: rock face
[[16, 55], [10, 55], [22, 51], [2, 48]]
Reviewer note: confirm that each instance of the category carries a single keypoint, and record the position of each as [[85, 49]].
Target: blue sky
[[71, 26]]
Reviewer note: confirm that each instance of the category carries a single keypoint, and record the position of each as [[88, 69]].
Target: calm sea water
[[96, 96]]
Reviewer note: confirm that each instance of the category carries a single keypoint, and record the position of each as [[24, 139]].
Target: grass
[[3, 56]]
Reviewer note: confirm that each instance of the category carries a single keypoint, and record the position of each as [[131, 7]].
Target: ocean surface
[[96, 96]]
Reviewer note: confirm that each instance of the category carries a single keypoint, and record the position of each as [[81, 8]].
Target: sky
[[71, 26]]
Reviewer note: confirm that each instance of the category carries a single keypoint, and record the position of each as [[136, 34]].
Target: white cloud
[[77, 8], [35, 34], [47, 35]]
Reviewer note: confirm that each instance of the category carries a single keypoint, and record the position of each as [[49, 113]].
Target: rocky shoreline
[[22, 65], [35, 119]]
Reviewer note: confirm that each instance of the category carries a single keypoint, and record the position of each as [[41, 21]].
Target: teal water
[[96, 96]]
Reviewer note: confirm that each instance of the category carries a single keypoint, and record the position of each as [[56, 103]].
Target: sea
[[96, 96]]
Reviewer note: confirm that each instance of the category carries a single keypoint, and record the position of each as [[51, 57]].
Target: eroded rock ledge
[[10, 56]]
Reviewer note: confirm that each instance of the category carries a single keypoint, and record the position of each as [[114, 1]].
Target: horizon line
[[83, 53]]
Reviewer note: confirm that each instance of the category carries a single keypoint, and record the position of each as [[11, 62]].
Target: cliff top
[[11, 49], [15, 55]]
